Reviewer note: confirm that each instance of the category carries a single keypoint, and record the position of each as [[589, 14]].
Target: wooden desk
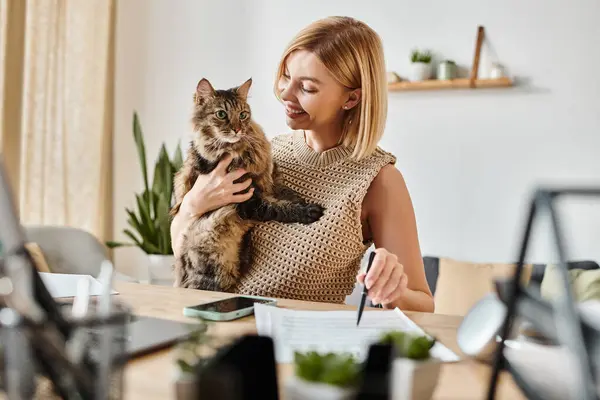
[[150, 377]]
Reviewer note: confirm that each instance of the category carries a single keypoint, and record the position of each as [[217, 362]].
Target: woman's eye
[[243, 115], [221, 114], [308, 90]]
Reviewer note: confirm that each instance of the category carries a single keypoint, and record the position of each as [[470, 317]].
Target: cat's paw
[[312, 213]]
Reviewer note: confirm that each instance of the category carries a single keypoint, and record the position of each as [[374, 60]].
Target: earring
[[345, 107]]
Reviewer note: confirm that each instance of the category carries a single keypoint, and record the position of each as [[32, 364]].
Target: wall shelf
[[461, 83], [472, 82]]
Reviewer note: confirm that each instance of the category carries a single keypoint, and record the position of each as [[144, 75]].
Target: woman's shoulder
[[379, 158]]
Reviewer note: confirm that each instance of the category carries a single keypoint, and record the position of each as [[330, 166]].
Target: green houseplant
[[149, 221], [328, 376], [415, 372], [420, 65]]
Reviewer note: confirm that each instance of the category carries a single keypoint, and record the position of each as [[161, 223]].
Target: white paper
[[332, 331], [65, 285]]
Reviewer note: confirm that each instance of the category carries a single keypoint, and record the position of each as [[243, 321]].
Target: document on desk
[[333, 331], [65, 285]]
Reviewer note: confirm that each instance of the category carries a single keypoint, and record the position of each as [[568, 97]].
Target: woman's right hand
[[216, 190]]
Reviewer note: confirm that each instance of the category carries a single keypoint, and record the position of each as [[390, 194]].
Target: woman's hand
[[386, 280], [216, 189]]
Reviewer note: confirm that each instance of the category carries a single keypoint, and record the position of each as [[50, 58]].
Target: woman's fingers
[[239, 187], [375, 270], [235, 175], [360, 278], [384, 273], [221, 167], [240, 198], [391, 290]]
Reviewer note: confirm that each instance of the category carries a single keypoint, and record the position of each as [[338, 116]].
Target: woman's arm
[[397, 276], [179, 225]]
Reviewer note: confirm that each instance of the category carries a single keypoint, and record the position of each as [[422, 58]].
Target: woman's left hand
[[386, 280]]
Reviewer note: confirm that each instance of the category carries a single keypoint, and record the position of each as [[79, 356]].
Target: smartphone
[[227, 309]]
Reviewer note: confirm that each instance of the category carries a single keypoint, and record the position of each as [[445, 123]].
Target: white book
[[65, 285], [333, 331]]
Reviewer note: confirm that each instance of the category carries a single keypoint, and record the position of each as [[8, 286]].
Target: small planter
[[420, 65], [420, 71], [414, 380], [299, 389], [446, 70], [160, 269]]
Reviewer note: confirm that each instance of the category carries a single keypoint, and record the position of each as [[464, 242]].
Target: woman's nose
[[286, 92]]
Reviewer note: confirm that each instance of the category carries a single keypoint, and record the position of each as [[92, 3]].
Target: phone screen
[[229, 305]]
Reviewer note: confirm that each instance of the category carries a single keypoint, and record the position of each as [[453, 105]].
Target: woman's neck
[[321, 141]]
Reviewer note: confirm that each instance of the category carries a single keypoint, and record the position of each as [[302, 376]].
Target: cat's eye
[[243, 115], [221, 114]]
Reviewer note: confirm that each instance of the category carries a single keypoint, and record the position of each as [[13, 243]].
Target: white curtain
[[64, 163]]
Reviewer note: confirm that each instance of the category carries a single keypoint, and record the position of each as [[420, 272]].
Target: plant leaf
[[161, 169], [330, 368], [145, 219], [184, 366], [151, 248], [135, 239], [134, 222], [112, 245], [138, 137], [163, 224], [177, 159]]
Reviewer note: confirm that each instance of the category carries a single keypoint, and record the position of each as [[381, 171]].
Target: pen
[[365, 291]]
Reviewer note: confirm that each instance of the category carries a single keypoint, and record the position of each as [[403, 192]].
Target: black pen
[[363, 298]]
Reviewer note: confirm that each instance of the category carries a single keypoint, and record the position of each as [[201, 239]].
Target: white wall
[[470, 158]]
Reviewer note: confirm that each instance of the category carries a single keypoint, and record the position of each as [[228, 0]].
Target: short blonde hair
[[353, 53]]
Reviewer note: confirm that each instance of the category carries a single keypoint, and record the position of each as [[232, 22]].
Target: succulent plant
[[421, 56]]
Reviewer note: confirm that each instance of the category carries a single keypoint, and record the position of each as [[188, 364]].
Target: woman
[[332, 83]]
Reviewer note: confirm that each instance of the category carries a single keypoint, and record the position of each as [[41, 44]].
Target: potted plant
[[420, 67], [414, 372], [192, 355], [150, 221], [328, 376]]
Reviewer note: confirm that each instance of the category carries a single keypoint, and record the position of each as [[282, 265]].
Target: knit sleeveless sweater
[[319, 261]]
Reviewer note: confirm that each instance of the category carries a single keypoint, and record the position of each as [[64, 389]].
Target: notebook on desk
[[333, 331]]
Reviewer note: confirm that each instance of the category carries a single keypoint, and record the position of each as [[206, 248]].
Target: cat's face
[[222, 117]]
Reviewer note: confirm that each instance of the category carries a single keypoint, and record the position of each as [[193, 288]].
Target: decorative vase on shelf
[[497, 71], [160, 269], [446, 70], [420, 67], [420, 72]]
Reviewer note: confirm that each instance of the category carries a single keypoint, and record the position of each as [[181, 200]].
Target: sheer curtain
[[63, 167]]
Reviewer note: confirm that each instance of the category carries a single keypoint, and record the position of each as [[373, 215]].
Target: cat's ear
[[204, 90], [242, 90]]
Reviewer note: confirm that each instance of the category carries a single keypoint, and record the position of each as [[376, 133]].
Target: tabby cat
[[216, 247]]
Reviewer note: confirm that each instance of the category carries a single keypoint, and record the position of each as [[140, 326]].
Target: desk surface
[[150, 377]]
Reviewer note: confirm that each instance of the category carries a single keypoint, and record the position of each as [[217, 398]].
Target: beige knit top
[[316, 262]]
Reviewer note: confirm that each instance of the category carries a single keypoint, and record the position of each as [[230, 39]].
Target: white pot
[[299, 389], [420, 71], [414, 380], [497, 71], [160, 269]]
